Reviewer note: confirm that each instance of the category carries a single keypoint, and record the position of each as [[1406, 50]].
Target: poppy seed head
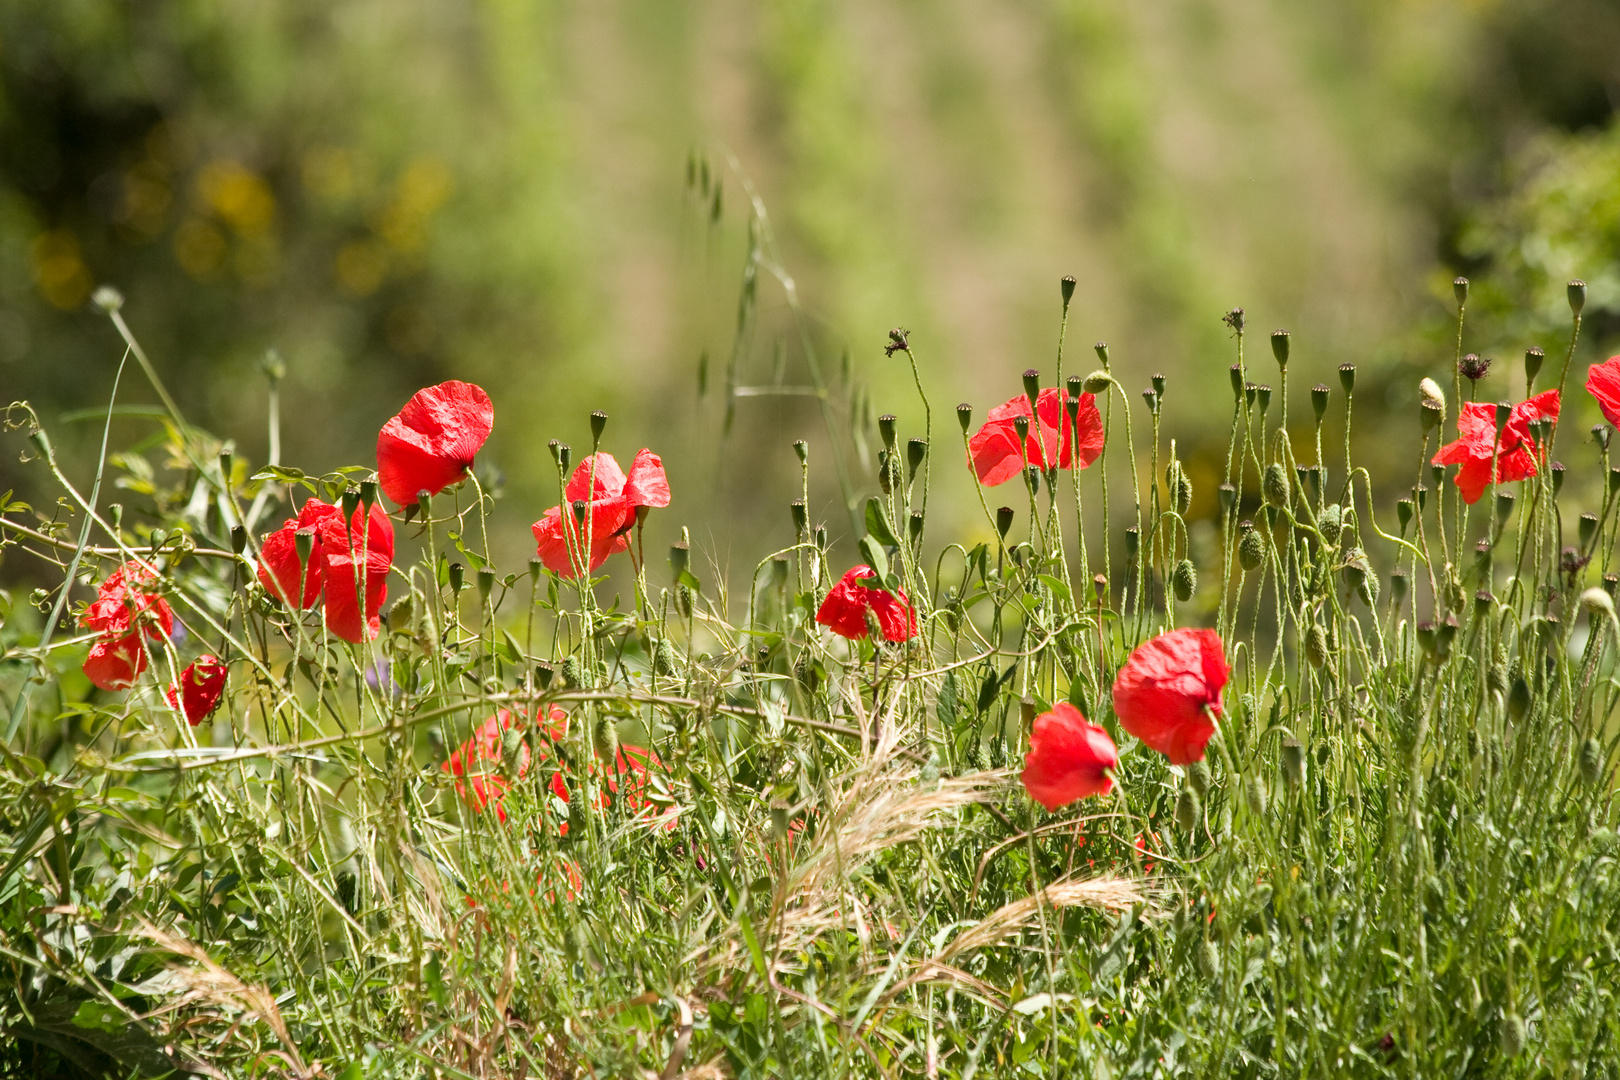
[[1474, 367]]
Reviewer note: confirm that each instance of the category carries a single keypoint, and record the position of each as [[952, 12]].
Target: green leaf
[[1059, 589], [434, 978], [875, 558], [95, 1016], [877, 523]]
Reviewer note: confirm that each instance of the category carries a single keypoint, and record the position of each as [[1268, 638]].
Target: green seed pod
[[1533, 359], [1403, 514], [1275, 485], [964, 416], [1279, 347], [1293, 762], [1577, 296], [1198, 778], [1367, 590], [1255, 792], [1180, 485], [1185, 580], [1251, 547], [1347, 377], [1591, 761], [664, 658], [1228, 497], [1459, 288], [1397, 585], [1511, 1034], [1518, 700], [1187, 810], [1032, 385], [1316, 645], [1319, 400], [572, 671], [1330, 523]]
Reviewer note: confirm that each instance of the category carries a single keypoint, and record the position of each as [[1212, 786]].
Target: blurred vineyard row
[[392, 192]]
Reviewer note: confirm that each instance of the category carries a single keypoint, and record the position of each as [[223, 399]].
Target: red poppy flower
[[629, 779], [484, 745], [1069, 758], [344, 565], [1603, 383], [123, 609], [432, 442], [994, 453], [611, 499], [844, 610], [1515, 454], [1169, 692], [200, 687]]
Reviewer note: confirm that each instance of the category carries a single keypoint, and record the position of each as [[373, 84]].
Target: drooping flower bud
[[1274, 485], [1185, 580], [1097, 382]]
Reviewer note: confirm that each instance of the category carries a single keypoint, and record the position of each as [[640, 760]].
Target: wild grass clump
[[1334, 791]]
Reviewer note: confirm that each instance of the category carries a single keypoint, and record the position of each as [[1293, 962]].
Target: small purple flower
[[380, 677]]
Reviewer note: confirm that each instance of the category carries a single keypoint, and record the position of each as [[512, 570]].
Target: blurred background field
[[393, 192]]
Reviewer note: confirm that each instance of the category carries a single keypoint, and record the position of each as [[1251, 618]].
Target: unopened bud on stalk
[[535, 566], [1367, 589], [1098, 382], [1279, 347], [1032, 385], [1316, 645], [1228, 497], [1236, 374], [239, 539], [351, 503], [1518, 699], [1403, 513], [1252, 547], [1533, 358], [454, 575], [303, 544], [598, 425], [1319, 400], [886, 429], [821, 538], [1504, 412], [680, 556], [1004, 520], [1504, 507], [1421, 494], [1186, 810], [1066, 286], [1347, 377], [1556, 470], [1274, 485], [1577, 296], [1099, 589], [1185, 580], [1198, 778], [1262, 395], [914, 527], [486, 582], [916, 450], [1427, 640], [1591, 762], [1152, 400], [1397, 585], [801, 517], [1610, 583], [1598, 604], [1293, 762], [1255, 792], [1101, 349], [1511, 1034], [1587, 530], [802, 449], [964, 416], [1250, 390], [1330, 523], [1459, 288]]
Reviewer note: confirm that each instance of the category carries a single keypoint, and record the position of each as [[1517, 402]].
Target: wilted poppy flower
[[123, 609], [1169, 692], [1516, 453], [1069, 758], [611, 499], [343, 563], [994, 453], [478, 784], [200, 687], [432, 442], [844, 610], [1603, 383]]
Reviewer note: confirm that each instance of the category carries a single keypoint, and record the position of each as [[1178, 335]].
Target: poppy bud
[[571, 671], [1330, 523], [821, 538], [1591, 761], [1518, 700], [1397, 585], [1152, 400], [680, 554], [1421, 494], [1447, 631], [1185, 580], [914, 527], [598, 425], [1347, 377], [1459, 288], [1021, 425], [1293, 762], [1228, 496], [801, 517], [239, 539], [1511, 1034], [1208, 959], [486, 582], [1066, 287], [1032, 385], [1504, 507], [1577, 296], [1262, 394], [535, 566], [886, 429], [579, 510], [1235, 373], [964, 416], [1183, 492], [1437, 473], [1274, 485], [1610, 581], [1482, 557], [1557, 471], [802, 449], [1279, 347], [1249, 392], [1187, 810], [916, 450], [1004, 520], [885, 472], [1132, 542], [1254, 792], [303, 543], [1316, 645], [351, 502], [1533, 358], [455, 577], [1367, 590], [1319, 400], [1097, 382], [1101, 349], [1251, 548], [1587, 530]]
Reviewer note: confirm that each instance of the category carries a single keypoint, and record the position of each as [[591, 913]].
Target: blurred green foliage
[[391, 194]]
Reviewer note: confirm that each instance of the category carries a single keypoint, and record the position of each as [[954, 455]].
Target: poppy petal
[[432, 442]]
